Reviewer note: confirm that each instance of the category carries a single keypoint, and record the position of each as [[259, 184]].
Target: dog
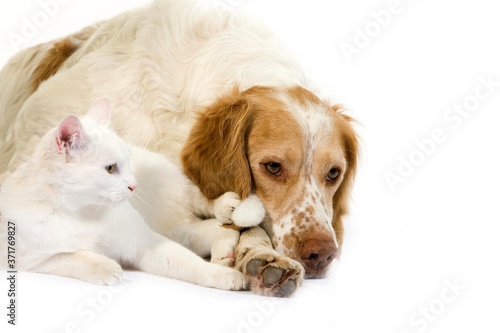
[[213, 91]]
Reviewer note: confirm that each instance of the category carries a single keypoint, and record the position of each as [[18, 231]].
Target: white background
[[404, 246]]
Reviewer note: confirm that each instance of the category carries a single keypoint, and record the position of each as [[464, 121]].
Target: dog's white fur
[[167, 62]]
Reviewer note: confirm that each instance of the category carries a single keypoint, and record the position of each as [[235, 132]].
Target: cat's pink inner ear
[[69, 133], [101, 112]]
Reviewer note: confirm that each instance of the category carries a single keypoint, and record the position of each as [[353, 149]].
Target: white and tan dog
[[214, 92]]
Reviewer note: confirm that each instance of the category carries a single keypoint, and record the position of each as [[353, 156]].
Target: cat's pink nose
[[132, 188]]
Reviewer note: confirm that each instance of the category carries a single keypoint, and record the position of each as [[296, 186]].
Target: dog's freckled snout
[[318, 253]]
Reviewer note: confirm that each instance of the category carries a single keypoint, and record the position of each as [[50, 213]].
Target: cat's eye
[[273, 168], [112, 168], [333, 174]]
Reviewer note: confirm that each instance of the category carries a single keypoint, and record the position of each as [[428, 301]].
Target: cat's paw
[[222, 251], [224, 260], [249, 213], [229, 279], [107, 273], [225, 205], [229, 209]]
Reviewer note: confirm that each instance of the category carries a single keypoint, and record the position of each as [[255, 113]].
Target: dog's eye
[[273, 168], [333, 174], [112, 168]]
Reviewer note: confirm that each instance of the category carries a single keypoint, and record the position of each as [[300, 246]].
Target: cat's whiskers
[[113, 212], [137, 194], [105, 202]]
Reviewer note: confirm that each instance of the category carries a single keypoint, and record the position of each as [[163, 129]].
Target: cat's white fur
[[74, 218]]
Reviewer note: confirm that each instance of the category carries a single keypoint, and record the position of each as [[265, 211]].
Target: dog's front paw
[[273, 274]]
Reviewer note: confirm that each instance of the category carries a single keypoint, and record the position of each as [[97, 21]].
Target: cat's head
[[93, 166]]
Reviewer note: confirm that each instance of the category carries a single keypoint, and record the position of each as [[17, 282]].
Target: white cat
[[72, 206]]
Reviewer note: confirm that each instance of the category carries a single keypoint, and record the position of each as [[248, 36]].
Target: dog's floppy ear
[[214, 156], [341, 196]]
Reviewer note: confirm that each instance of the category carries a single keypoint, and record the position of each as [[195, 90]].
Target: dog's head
[[293, 150]]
